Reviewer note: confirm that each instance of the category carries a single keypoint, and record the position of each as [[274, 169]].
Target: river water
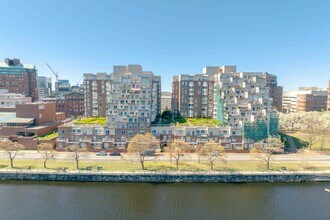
[[63, 200]]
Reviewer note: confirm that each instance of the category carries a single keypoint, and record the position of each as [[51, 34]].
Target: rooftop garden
[[48, 137], [209, 122], [91, 121]]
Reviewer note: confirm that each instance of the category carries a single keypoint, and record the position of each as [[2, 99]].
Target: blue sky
[[288, 38]]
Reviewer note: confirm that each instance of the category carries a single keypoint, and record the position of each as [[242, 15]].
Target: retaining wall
[[166, 178]]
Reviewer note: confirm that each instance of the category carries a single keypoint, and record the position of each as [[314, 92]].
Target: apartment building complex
[[133, 102], [192, 95], [96, 89], [44, 85], [12, 99], [305, 99], [275, 91], [243, 102], [19, 78]]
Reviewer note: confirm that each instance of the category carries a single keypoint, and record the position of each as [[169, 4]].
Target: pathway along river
[[63, 200]]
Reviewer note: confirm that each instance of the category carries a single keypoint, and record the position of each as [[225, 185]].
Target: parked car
[[149, 152], [115, 153], [101, 153]]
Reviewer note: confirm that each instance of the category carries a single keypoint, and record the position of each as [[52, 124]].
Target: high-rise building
[[19, 78], [275, 91], [96, 89], [44, 85], [192, 95], [166, 99], [242, 101], [133, 102], [305, 99]]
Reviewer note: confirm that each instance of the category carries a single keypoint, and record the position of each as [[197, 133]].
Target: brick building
[[19, 78], [72, 104], [96, 88], [30, 121]]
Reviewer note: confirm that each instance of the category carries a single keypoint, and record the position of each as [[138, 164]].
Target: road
[[90, 156]]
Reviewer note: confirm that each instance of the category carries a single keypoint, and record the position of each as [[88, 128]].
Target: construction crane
[[56, 75]]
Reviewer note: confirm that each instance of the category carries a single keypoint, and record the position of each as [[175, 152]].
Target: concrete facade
[[11, 99]]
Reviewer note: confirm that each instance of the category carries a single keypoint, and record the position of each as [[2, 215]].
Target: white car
[[101, 153]]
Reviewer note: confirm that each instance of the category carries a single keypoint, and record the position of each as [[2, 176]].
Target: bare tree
[[47, 151], [323, 128], [311, 124], [178, 148], [139, 146], [78, 153], [213, 151], [264, 149], [11, 149], [198, 150]]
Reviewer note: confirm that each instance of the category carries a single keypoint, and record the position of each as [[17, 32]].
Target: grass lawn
[[301, 140], [91, 121], [49, 136], [211, 122], [163, 166]]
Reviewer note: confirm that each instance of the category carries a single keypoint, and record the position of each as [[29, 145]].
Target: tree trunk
[[45, 164], [77, 164], [199, 159], [170, 157], [12, 162], [268, 162], [211, 165], [177, 164], [322, 142], [142, 164]]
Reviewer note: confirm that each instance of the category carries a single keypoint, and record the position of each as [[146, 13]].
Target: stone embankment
[[167, 177]]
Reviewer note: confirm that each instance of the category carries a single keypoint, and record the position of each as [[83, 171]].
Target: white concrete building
[[11, 99]]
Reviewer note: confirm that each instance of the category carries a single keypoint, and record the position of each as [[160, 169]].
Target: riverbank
[[166, 177]]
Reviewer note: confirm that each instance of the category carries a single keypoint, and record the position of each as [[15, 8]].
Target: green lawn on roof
[[91, 121], [210, 122], [48, 137]]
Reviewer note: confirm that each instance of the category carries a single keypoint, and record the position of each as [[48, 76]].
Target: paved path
[[293, 148]]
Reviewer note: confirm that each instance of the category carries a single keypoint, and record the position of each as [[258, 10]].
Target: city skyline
[[287, 39]]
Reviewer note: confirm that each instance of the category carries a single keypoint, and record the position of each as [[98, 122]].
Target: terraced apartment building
[[134, 101], [241, 100]]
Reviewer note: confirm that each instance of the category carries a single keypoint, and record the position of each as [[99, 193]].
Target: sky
[[290, 39]]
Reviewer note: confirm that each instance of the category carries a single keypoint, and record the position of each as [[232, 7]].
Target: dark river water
[[62, 200]]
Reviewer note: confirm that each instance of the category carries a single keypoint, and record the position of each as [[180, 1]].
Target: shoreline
[[167, 177]]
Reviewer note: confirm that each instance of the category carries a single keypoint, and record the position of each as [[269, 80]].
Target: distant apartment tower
[[12, 99], [133, 102], [96, 88], [192, 95], [19, 78], [305, 99], [44, 85], [166, 98], [275, 91]]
